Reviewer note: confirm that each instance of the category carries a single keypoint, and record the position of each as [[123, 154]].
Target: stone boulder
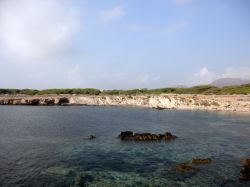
[[129, 135], [245, 171]]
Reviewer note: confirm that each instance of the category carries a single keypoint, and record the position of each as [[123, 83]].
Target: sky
[[122, 44]]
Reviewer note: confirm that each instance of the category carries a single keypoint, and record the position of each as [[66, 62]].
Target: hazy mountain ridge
[[229, 82]]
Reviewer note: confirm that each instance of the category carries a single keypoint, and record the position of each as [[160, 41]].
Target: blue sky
[[122, 44]]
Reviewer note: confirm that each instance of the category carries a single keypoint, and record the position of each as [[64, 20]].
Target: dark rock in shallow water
[[245, 171], [126, 135], [92, 137], [185, 167], [129, 135], [197, 160]]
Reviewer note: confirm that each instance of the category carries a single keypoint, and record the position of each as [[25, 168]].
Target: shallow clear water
[[45, 146]]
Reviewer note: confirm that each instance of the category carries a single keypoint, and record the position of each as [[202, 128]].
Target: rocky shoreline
[[237, 103]]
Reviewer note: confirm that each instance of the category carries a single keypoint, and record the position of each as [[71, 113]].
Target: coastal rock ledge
[[238, 103]]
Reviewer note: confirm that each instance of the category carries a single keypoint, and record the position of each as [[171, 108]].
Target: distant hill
[[229, 82]]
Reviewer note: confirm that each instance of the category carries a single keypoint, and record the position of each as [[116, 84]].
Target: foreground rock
[[245, 171], [129, 135]]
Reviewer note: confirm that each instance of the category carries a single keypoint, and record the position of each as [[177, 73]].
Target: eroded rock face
[[129, 135], [245, 171], [238, 103], [49, 101], [63, 101], [34, 102]]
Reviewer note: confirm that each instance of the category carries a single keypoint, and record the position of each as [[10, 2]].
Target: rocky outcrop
[[238, 103], [129, 135], [245, 171], [34, 100]]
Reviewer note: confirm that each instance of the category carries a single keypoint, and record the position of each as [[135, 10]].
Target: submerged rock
[[197, 160], [188, 166], [185, 167], [59, 170], [129, 135], [245, 171], [82, 179]]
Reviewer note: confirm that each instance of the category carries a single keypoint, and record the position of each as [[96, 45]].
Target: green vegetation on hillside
[[87, 91], [203, 89]]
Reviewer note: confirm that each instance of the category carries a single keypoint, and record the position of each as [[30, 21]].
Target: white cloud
[[32, 29], [111, 14], [175, 27], [205, 76]]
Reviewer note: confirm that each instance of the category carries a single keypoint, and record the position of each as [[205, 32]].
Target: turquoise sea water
[[46, 146]]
